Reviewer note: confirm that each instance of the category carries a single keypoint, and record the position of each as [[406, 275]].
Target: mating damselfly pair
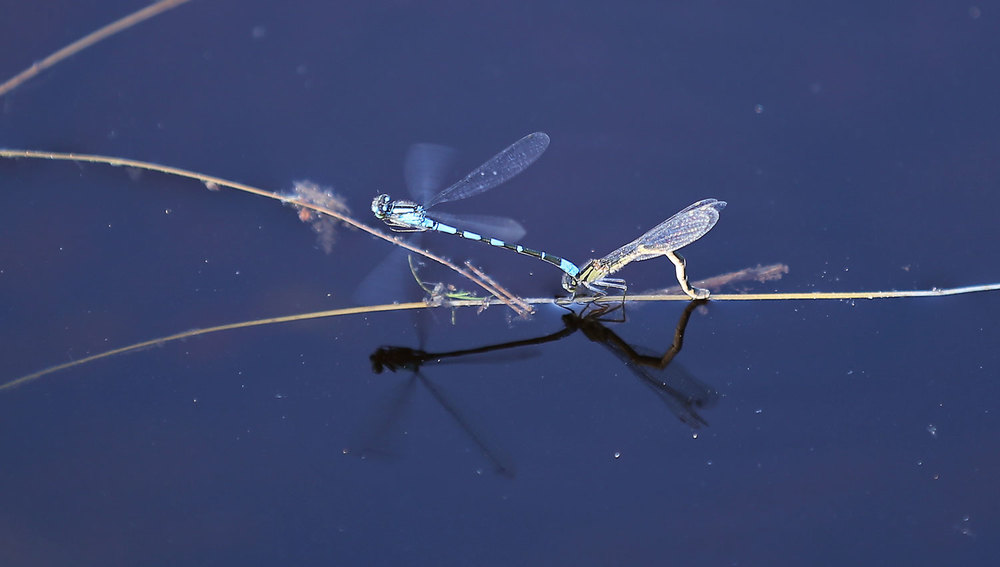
[[664, 239]]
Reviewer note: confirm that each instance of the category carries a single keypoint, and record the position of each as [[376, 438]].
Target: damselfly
[[408, 216], [664, 239]]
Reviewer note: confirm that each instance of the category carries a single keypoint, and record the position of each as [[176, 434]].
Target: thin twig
[[515, 302], [214, 182], [88, 40], [479, 302]]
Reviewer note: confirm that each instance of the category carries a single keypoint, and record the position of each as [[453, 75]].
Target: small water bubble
[[617, 454], [964, 528]]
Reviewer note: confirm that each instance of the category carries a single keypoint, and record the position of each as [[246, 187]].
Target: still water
[[856, 145]]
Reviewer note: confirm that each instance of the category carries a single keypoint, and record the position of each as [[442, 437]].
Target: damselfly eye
[[380, 206]]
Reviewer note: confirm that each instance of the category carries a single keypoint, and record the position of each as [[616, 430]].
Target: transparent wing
[[693, 390], [682, 393], [683, 404], [497, 170], [425, 169], [672, 234], [506, 229]]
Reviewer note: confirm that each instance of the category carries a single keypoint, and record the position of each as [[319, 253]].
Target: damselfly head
[[380, 206], [571, 283]]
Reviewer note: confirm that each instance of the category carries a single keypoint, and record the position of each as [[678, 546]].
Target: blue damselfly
[[409, 216]]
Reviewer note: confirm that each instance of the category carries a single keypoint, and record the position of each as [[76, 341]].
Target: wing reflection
[[683, 394]]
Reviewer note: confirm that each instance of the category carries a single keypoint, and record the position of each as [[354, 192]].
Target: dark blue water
[[856, 143]]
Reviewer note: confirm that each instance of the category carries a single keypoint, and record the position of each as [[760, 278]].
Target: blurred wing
[[506, 229], [381, 435], [389, 282], [425, 169]]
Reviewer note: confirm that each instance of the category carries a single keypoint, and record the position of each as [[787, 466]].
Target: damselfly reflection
[[684, 395], [375, 438]]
